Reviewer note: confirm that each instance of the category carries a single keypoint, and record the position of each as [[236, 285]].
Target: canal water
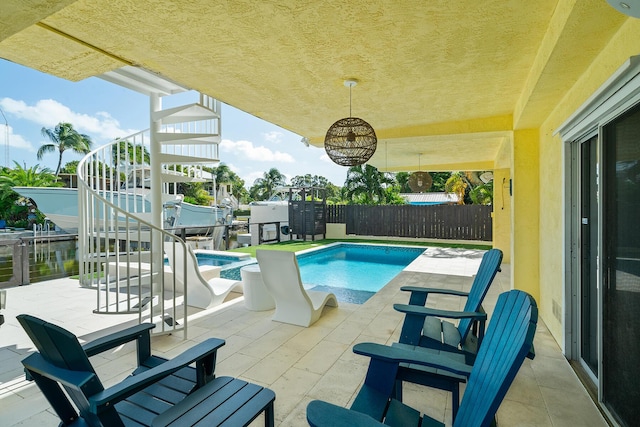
[[51, 259], [47, 260]]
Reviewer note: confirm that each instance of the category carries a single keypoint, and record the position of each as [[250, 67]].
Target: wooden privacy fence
[[456, 222]]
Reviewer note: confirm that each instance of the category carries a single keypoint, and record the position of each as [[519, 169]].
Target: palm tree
[[225, 175], [366, 184], [265, 186], [127, 152], [403, 181], [64, 137]]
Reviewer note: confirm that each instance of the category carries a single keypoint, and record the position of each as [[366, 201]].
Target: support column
[[157, 247], [525, 216], [156, 166]]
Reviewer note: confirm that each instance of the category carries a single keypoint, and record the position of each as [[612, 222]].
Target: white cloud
[[325, 158], [48, 113], [15, 140], [250, 178], [274, 137], [253, 153]]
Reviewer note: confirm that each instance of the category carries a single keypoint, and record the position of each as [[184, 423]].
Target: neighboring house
[[435, 198]]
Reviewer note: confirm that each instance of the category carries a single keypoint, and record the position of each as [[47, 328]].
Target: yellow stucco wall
[[525, 213], [623, 45]]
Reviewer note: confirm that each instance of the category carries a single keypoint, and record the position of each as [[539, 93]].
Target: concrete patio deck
[[299, 364]]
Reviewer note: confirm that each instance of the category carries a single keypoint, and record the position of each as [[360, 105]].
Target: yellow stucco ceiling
[[450, 80]]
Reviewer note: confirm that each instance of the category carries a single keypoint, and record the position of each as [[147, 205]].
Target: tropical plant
[[457, 183], [365, 184], [64, 137], [263, 187], [70, 167], [402, 178], [13, 207], [392, 196], [439, 180], [482, 194], [34, 176], [124, 151]]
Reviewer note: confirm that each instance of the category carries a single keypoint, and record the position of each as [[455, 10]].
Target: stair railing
[[120, 250]]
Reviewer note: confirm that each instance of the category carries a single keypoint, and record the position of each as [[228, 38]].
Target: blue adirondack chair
[[507, 342], [424, 326], [154, 386]]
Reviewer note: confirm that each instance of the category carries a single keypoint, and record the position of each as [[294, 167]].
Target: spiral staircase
[[123, 190]]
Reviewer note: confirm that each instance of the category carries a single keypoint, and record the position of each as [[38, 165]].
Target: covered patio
[[299, 364], [545, 94]]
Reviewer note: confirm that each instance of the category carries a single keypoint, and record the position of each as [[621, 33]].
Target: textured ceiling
[[446, 80]]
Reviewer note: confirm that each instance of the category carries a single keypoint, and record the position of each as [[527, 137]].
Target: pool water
[[353, 272], [217, 260]]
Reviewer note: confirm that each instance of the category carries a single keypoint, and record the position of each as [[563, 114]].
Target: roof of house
[[430, 198]]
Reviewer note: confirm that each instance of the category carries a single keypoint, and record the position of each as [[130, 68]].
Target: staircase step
[[184, 113], [175, 159], [187, 138]]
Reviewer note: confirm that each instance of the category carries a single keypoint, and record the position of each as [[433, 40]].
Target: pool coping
[[330, 245]]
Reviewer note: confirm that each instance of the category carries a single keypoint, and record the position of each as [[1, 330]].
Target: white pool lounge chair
[[202, 292], [294, 304]]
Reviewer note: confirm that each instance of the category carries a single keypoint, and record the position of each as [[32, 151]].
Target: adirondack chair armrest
[[419, 294], [37, 364], [99, 345], [135, 383], [419, 289], [434, 312], [401, 355], [321, 414]]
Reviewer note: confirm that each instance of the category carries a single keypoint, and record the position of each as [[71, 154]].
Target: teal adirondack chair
[[426, 328], [154, 386], [507, 342]]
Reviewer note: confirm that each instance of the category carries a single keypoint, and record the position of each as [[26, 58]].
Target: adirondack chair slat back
[[489, 267], [56, 345], [508, 340]]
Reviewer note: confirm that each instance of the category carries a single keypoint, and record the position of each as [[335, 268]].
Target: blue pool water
[[353, 272], [218, 260]]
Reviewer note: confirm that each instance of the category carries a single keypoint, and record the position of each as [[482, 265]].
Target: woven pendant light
[[350, 141], [420, 181]]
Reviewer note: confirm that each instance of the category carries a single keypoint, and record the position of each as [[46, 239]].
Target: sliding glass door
[[620, 379]]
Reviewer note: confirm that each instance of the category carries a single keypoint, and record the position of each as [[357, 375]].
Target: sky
[[31, 100]]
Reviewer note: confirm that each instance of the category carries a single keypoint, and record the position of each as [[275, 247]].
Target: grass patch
[[298, 245]]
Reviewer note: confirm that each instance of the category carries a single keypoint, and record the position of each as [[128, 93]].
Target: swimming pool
[[220, 258], [353, 272]]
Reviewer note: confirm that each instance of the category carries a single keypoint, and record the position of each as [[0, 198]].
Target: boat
[[60, 206]]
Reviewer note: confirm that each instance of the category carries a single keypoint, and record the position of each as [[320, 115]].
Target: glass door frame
[[573, 260], [617, 95]]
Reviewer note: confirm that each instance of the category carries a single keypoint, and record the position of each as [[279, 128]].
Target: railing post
[[24, 251]]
